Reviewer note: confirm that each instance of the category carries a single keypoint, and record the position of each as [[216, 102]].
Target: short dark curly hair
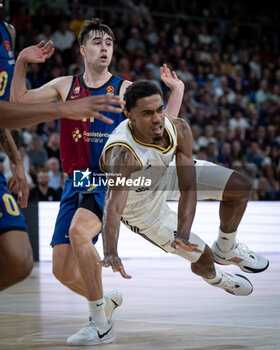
[[93, 24], [139, 89]]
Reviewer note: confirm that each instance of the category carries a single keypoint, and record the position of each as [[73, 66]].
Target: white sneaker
[[234, 284], [241, 256], [113, 300], [93, 334]]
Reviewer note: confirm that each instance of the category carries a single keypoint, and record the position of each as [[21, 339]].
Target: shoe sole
[[107, 341]]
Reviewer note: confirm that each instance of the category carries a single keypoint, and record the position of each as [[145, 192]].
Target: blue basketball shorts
[[72, 199], [11, 217]]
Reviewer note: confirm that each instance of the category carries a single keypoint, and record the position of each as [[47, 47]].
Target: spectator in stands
[[37, 155], [237, 153], [183, 72], [77, 22], [34, 76], [224, 90], [224, 157], [134, 41], [55, 175], [63, 39], [264, 97], [207, 105], [123, 69], [20, 18], [255, 65], [45, 34], [212, 152], [238, 120], [207, 137], [42, 192], [196, 132], [263, 193], [53, 146], [254, 154]]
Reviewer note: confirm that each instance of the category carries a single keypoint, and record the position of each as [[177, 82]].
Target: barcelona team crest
[[110, 90], [76, 90]]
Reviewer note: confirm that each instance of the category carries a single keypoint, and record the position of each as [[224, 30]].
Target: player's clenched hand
[[183, 243], [37, 53], [115, 262], [91, 107]]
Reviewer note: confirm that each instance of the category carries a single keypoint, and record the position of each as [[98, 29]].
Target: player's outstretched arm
[[187, 186], [20, 115], [177, 88], [118, 160], [90, 107]]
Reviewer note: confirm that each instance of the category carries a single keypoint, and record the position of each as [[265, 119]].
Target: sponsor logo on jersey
[[76, 135]]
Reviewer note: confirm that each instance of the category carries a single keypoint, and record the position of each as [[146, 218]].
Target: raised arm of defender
[[175, 85], [57, 88]]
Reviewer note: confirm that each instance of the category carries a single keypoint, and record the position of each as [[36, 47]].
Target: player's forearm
[[175, 101], [18, 86], [186, 212], [113, 208], [9, 146], [19, 115], [110, 231]]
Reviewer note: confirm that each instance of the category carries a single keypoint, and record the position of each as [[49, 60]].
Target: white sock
[[216, 279], [97, 311], [226, 241]]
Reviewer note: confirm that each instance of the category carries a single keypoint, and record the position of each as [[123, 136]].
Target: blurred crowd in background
[[226, 53]]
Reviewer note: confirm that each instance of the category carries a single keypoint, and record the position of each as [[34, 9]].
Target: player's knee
[[22, 267], [238, 188], [63, 273], [75, 234]]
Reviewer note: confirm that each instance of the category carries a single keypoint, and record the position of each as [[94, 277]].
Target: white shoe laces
[[87, 329], [228, 282], [242, 249]]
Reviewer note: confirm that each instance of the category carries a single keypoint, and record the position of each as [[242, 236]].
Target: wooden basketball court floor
[[165, 307]]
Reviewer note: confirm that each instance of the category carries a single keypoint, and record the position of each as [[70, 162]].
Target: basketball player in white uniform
[[144, 147]]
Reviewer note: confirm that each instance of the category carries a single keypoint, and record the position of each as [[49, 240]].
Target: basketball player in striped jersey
[[145, 146], [79, 219]]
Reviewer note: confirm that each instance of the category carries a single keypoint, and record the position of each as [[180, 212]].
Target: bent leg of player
[[75, 264], [233, 191], [16, 257], [99, 329], [163, 231]]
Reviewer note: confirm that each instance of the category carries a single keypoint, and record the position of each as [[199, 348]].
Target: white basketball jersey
[[153, 159]]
